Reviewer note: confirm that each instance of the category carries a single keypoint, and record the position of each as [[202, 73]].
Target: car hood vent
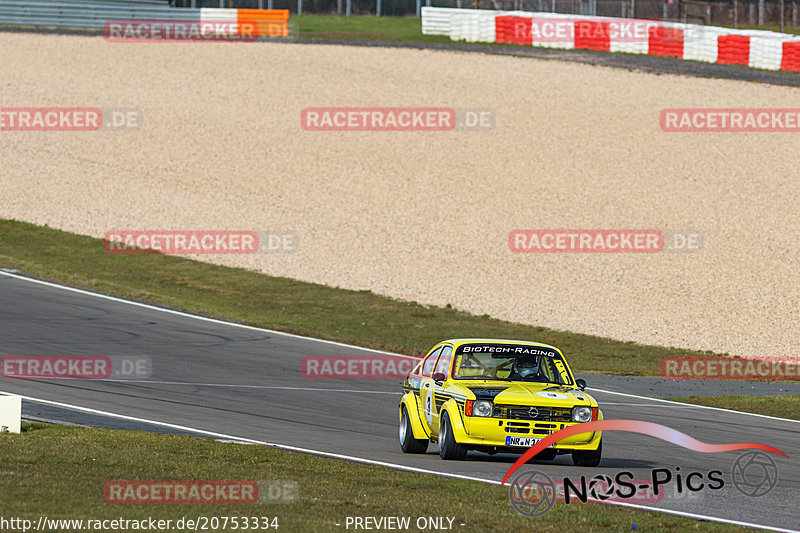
[[486, 393]]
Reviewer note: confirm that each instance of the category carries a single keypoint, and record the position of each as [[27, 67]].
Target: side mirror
[[438, 377], [580, 383]]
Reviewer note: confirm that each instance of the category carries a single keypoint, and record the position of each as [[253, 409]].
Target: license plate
[[525, 442]]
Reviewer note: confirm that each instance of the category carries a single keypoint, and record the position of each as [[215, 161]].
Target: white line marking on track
[[687, 406], [695, 406], [703, 517], [189, 315], [253, 328], [399, 392], [292, 335], [372, 462], [244, 440]]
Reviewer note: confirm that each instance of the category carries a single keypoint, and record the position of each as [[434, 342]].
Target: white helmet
[[526, 365]]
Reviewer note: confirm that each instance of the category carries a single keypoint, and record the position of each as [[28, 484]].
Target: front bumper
[[492, 433]]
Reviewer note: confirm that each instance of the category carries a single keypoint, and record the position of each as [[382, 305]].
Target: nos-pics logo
[[533, 493]]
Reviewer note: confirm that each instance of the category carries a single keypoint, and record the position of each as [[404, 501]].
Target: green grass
[[356, 317], [785, 406], [59, 472], [386, 29]]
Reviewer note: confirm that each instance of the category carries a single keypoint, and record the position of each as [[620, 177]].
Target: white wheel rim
[[403, 423]]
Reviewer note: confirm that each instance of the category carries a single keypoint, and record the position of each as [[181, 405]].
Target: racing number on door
[[429, 405]]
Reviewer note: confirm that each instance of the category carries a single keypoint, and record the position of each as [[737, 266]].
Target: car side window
[[443, 365], [562, 372], [427, 366]]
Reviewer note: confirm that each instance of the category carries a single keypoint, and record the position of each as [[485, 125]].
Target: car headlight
[[482, 408], [581, 414], [478, 408]]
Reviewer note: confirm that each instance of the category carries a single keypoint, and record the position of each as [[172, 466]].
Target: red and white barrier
[[754, 48]]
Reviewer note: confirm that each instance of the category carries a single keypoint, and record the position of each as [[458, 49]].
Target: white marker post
[[10, 413]]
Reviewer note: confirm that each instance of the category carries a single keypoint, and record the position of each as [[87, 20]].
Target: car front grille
[[545, 414]]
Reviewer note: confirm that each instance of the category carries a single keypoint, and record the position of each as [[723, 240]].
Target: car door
[[437, 397], [426, 396]]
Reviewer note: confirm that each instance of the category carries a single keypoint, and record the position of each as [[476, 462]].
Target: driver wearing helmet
[[526, 367]]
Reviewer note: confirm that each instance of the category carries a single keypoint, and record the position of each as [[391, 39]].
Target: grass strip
[[59, 472], [355, 317], [383, 29]]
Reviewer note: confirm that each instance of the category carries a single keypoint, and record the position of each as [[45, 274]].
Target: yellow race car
[[493, 396]]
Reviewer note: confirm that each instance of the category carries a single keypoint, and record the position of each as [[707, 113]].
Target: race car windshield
[[510, 363]]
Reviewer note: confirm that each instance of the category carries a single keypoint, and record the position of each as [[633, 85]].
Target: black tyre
[[407, 441], [546, 455], [449, 449], [588, 457]]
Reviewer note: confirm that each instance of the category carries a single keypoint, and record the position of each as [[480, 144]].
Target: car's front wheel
[[407, 441], [588, 457], [546, 455], [448, 447]]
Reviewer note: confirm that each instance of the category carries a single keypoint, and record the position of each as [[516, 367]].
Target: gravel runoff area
[[426, 216]]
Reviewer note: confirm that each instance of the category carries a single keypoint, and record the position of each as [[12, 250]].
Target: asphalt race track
[[247, 383]]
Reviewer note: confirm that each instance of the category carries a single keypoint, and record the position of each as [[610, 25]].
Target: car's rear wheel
[[588, 457], [449, 449], [407, 441]]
